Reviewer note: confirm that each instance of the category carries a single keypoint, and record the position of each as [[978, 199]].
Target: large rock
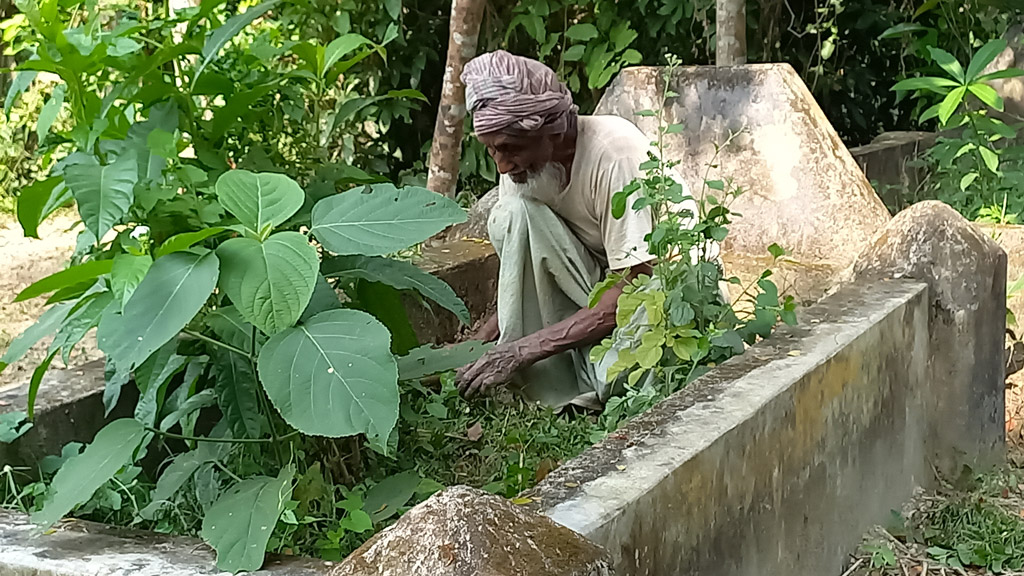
[[466, 532], [966, 275], [1011, 89], [803, 190]]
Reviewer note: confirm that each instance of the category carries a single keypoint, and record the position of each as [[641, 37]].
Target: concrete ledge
[[86, 548], [774, 462]]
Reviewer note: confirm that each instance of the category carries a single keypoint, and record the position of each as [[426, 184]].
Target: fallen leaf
[[794, 352], [475, 432], [544, 468], [521, 500], [572, 484], [621, 467]]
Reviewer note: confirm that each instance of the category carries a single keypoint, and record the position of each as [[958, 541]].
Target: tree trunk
[[731, 32], [446, 150], [7, 10]]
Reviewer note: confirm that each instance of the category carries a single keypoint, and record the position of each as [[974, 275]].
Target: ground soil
[[23, 261]]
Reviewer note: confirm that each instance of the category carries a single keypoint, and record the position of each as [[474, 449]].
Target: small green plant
[[976, 169], [882, 555], [688, 323]]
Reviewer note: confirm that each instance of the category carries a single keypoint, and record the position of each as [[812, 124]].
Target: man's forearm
[[588, 326]]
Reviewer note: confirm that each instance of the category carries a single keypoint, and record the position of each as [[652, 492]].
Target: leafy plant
[[677, 321], [977, 169]]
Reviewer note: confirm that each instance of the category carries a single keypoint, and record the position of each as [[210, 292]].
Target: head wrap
[[504, 91]]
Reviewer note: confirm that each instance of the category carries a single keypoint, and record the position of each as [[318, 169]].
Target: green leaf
[[385, 304], [47, 324], [988, 95], [85, 315], [776, 251], [82, 475], [222, 35], [68, 277], [48, 113], [162, 143], [991, 159], [324, 298], [38, 200], [127, 272], [427, 360], [397, 274], [103, 193], [622, 36], [235, 384], [947, 62], [13, 425], [382, 219], [227, 323], [924, 83], [238, 526], [340, 47], [384, 499], [333, 376], [167, 299], [181, 469], [37, 379], [163, 118], [985, 55], [113, 380], [950, 104], [1001, 75], [901, 29], [582, 32], [574, 53], [394, 8], [259, 200], [269, 282], [152, 377], [22, 80], [967, 180], [186, 240]]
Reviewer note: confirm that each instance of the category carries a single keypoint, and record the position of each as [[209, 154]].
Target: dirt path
[[23, 261]]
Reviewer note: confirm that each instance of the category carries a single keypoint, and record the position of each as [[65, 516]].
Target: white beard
[[543, 186]]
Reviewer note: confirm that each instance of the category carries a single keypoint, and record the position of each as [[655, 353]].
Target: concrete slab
[[803, 189]]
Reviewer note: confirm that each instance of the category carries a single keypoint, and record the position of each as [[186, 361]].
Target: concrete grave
[[803, 190]]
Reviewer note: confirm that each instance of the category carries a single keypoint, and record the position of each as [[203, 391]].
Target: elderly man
[[553, 230]]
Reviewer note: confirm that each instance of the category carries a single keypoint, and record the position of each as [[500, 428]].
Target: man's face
[[518, 155]]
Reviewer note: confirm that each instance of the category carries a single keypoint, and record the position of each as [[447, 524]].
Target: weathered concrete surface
[[466, 532], [966, 274], [803, 189], [475, 225], [887, 163], [80, 548], [774, 462], [1011, 89], [1011, 240]]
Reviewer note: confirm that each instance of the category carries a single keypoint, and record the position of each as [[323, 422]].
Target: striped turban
[[504, 91]]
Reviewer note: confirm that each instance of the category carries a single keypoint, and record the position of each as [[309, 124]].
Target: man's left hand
[[496, 367]]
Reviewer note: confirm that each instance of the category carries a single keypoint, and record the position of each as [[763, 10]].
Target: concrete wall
[[773, 463]]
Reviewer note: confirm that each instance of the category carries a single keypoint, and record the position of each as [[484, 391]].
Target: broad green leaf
[[394, 8], [397, 274], [13, 425], [68, 277], [339, 48], [114, 380], [222, 35], [988, 95], [324, 298], [427, 360], [82, 475], [152, 377], [383, 500], [924, 83], [186, 240], [47, 324], [967, 180], [386, 305], [991, 159], [181, 469], [333, 376], [126, 274], [582, 32], [382, 219], [163, 118], [269, 282], [950, 104], [259, 200], [85, 315], [103, 193], [574, 53], [38, 200], [947, 62], [235, 384], [170, 295], [187, 409], [227, 323], [48, 113], [238, 526], [985, 55]]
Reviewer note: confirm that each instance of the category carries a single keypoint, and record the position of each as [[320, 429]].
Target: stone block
[[966, 274], [1011, 89], [803, 190], [888, 164], [466, 532]]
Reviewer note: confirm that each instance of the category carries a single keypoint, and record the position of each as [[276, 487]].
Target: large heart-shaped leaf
[[238, 526], [397, 274], [333, 376], [382, 219], [259, 200], [126, 275], [269, 282], [103, 193], [83, 474], [170, 295]]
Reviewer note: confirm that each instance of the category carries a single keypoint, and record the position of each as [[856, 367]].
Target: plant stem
[[215, 342], [263, 400], [226, 471], [221, 440]]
